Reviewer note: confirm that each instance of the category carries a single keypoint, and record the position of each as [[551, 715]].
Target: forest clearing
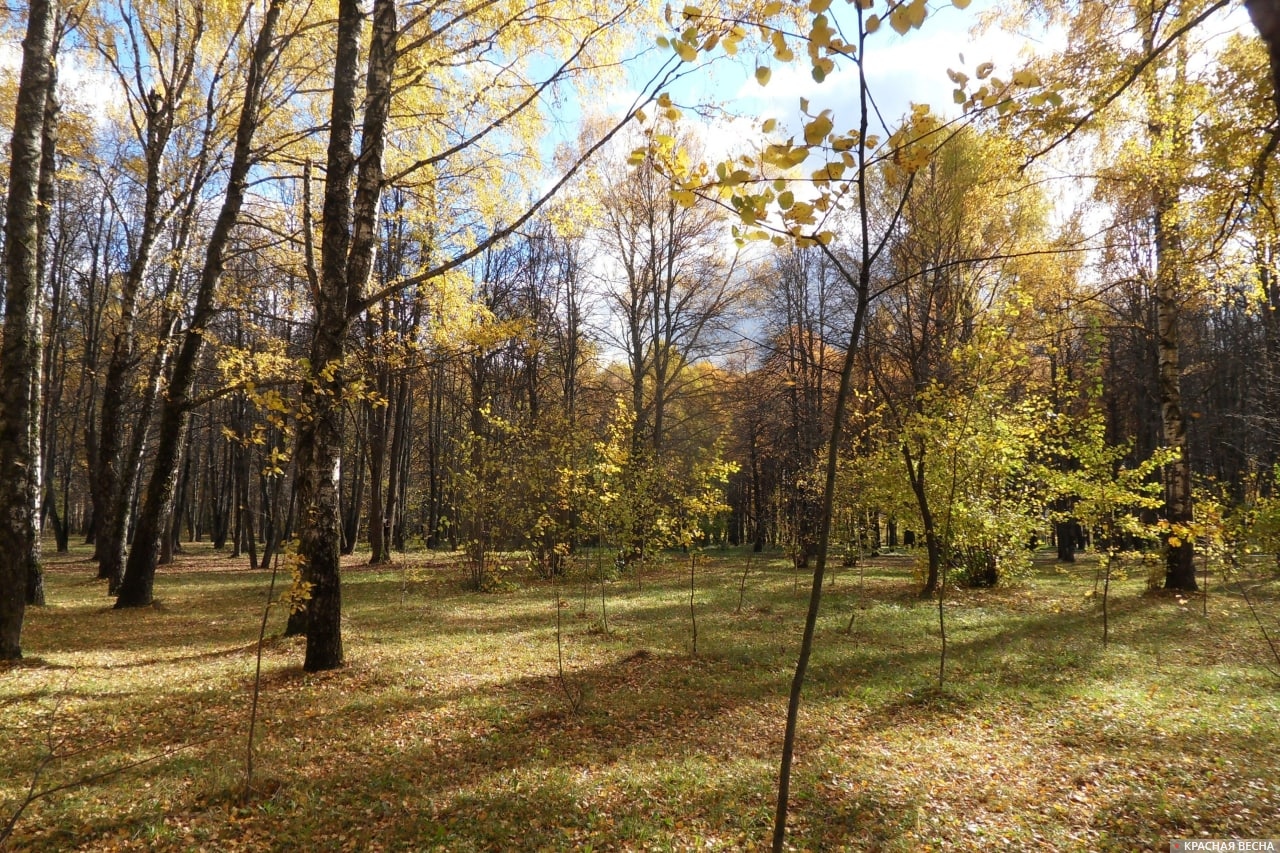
[[451, 729], [477, 414]]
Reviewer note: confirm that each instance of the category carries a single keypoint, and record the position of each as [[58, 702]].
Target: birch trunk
[[349, 234], [21, 353], [175, 415], [1167, 144]]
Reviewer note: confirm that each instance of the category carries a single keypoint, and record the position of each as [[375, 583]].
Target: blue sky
[[902, 70]]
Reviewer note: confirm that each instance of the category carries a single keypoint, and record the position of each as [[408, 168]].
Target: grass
[[449, 729]]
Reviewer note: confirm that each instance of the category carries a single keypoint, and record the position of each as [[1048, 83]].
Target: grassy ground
[[450, 730]]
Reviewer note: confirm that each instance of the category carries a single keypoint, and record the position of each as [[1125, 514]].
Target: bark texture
[[349, 232], [21, 353], [1266, 17]]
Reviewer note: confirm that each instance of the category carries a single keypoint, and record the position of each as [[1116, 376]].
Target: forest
[[500, 363]]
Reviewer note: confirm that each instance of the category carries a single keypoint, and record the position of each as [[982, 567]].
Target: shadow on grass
[[667, 749]]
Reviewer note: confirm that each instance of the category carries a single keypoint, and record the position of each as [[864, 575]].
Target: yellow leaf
[[873, 24], [769, 125], [780, 48], [817, 130], [763, 74], [686, 51], [821, 34]]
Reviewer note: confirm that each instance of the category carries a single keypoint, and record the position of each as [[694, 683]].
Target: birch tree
[[424, 46], [21, 352]]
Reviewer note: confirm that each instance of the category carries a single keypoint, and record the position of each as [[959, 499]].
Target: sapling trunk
[[1266, 635], [257, 685], [693, 614], [1106, 589], [1204, 603], [604, 612], [574, 698], [942, 630]]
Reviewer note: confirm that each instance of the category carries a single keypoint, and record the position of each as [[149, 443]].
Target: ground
[[451, 729]]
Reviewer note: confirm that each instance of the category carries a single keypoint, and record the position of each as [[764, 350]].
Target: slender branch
[[1128, 80], [665, 75]]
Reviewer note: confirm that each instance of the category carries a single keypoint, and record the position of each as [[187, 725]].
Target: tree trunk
[[139, 575], [21, 352], [1266, 18], [933, 547], [1167, 139], [171, 544], [398, 475], [1180, 572], [1067, 537], [245, 506], [219, 503], [379, 422], [45, 199], [112, 482], [348, 234]]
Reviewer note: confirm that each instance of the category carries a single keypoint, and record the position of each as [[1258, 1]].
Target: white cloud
[[901, 70]]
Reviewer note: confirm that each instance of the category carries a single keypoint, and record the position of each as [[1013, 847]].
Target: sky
[[901, 70]]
